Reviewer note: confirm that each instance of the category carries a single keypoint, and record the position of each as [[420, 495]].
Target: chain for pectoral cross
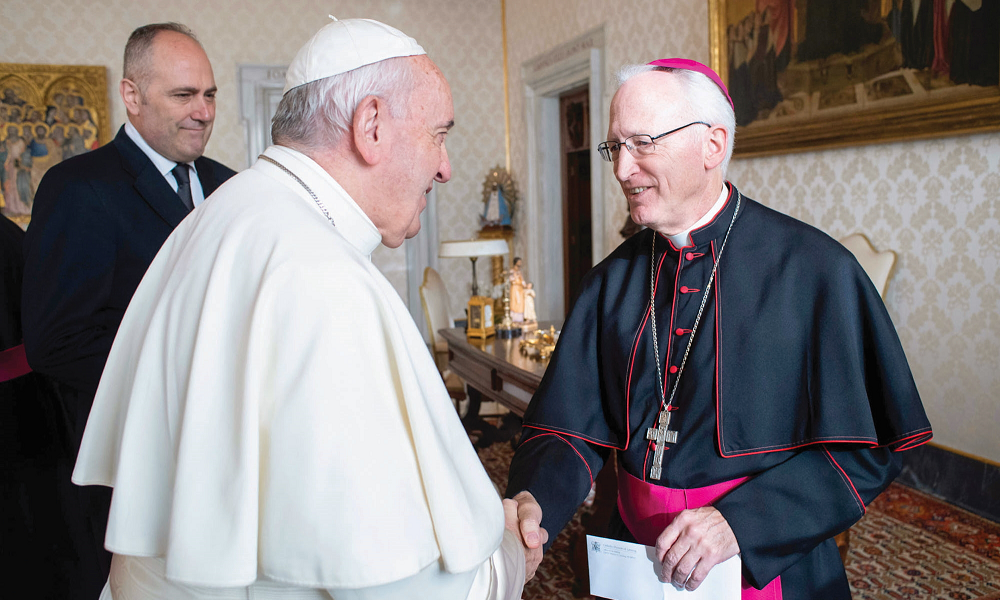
[[309, 191], [662, 434]]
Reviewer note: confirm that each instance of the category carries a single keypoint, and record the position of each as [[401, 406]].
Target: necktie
[[183, 185]]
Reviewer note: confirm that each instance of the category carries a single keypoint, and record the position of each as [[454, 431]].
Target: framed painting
[[813, 74], [48, 113]]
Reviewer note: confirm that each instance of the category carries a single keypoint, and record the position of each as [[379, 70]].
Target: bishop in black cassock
[[794, 392]]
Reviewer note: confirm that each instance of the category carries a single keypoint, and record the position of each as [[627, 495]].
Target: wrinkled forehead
[[431, 76], [647, 103], [173, 55], [431, 90]]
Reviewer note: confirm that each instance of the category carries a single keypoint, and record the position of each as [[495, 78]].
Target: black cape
[[796, 378], [36, 541]]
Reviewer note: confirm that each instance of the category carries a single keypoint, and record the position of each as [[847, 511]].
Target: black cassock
[[796, 378], [37, 542]]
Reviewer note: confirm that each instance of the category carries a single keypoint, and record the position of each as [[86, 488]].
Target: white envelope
[[625, 571]]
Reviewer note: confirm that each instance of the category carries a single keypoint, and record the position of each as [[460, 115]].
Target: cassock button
[[673, 369], [679, 331], [689, 256], [684, 289]]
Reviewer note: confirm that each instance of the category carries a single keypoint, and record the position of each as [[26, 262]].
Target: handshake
[[523, 517]]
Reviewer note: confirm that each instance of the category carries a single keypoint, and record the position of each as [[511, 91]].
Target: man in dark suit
[[98, 221]]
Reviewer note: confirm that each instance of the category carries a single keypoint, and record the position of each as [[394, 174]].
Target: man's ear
[[131, 95], [369, 129], [716, 142]]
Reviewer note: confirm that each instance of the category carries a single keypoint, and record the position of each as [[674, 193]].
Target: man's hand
[[697, 540], [523, 516]]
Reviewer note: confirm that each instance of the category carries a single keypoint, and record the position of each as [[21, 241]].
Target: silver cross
[[661, 435]]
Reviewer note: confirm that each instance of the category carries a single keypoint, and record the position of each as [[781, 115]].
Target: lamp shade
[[472, 248]]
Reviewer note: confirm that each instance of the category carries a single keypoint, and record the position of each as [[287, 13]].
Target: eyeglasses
[[639, 145]]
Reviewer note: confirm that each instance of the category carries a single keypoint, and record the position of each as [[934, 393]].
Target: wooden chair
[[434, 299], [878, 266]]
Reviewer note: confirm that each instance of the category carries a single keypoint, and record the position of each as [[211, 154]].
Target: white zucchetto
[[343, 46]]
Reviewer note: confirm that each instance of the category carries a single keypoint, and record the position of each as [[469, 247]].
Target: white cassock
[[270, 417]]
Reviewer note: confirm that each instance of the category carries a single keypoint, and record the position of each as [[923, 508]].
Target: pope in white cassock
[[269, 417]]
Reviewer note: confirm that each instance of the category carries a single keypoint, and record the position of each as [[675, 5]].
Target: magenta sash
[[647, 509], [13, 363]]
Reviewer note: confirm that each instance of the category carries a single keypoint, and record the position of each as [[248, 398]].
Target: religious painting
[[811, 74], [48, 113]]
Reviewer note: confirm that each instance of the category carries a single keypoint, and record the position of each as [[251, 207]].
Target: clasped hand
[[694, 542], [523, 517]]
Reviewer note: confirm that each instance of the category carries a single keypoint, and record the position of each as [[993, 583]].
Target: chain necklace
[[312, 194], [661, 434]]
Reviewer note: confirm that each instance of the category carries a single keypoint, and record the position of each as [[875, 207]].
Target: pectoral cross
[[661, 435]]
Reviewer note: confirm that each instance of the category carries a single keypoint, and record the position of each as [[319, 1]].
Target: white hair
[[318, 114], [705, 101]]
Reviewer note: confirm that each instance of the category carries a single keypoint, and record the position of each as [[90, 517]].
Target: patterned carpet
[[909, 545]]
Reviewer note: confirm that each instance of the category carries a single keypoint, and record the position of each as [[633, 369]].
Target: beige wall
[[462, 36], [937, 203]]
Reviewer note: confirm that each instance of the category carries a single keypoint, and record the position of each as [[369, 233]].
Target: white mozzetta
[[269, 407]]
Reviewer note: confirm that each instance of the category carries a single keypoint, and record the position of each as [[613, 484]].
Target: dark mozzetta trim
[[958, 479]]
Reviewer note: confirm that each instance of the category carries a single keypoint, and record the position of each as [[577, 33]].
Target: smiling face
[[419, 156], [173, 105], [670, 189]]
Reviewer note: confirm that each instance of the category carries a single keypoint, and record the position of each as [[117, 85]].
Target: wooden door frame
[[570, 65]]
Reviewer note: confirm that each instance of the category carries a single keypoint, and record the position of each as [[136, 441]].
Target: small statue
[[516, 291], [497, 210], [506, 329], [530, 316]]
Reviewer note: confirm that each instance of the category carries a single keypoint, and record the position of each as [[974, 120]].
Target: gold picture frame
[[808, 97], [47, 114]]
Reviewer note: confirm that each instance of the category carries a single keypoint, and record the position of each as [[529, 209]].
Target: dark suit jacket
[[98, 220]]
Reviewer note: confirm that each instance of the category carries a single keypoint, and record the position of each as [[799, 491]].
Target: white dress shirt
[[165, 165]]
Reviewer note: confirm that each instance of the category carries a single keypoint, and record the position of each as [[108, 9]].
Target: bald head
[[138, 61]]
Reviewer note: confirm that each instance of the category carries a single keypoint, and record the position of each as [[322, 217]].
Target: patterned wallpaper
[[462, 36], [937, 203]]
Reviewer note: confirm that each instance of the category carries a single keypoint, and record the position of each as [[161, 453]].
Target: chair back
[[877, 264], [434, 298]]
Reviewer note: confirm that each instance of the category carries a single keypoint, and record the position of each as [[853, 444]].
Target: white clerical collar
[[164, 165], [351, 222], [680, 240]]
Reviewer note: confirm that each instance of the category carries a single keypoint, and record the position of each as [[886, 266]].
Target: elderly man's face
[[422, 157], [176, 106], [662, 187]]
